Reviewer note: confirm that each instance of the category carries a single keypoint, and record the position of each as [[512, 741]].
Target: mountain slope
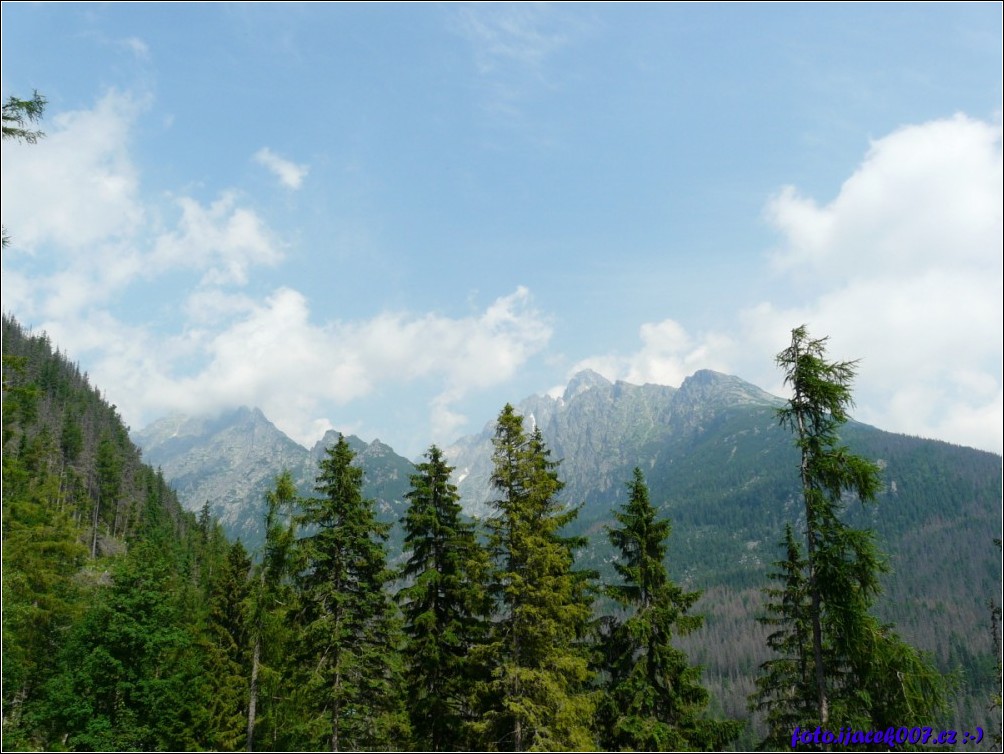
[[726, 474], [104, 573], [230, 461], [719, 465], [602, 430], [225, 461]]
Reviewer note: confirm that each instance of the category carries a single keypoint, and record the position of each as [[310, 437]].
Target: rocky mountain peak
[[376, 449], [232, 459], [583, 381], [330, 438], [709, 387]]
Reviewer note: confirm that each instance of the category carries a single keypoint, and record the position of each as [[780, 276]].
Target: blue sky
[[392, 219]]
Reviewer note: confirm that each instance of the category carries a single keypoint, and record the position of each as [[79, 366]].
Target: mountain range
[[601, 430], [712, 451], [718, 465], [229, 461]]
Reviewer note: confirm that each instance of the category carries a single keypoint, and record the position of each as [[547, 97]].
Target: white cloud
[[77, 186], [924, 196], [902, 270], [905, 270], [521, 34], [137, 47], [668, 354], [78, 201], [222, 240], [271, 355], [512, 46], [289, 173], [74, 200], [212, 306], [125, 361], [444, 422]]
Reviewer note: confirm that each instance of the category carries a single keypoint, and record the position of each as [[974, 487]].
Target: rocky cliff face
[[230, 461], [227, 461], [387, 476], [705, 394], [717, 465], [601, 429]]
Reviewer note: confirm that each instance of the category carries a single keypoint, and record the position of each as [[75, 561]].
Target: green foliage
[[72, 439], [18, 114], [444, 608], [227, 655], [862, 673], [128, 670], [101, 605], [41, 599], [109, 468], [20, 397], [785, 684], [348, 632], [653, 698], [270, 602], [537, 696]]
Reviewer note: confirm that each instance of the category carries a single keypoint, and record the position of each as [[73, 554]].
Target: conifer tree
[[785, 684], [863, 674], [227, 656], [444, 607], [654, 700], [127, 676], [537, 697], [109, 467], [17, 115], [350, 639], [269, 596]]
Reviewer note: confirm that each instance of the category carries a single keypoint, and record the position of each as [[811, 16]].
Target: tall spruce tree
[[226, 654], [862, 673], [784, 688], [653, 699], [350, 639], [445, 606], [269, 596], [538, 695]]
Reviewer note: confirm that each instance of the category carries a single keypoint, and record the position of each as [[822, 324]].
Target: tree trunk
[[253, 691], [94, 529], [336, 712], [817, 638], [817, 630]]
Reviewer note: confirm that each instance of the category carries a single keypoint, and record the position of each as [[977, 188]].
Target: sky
[[391, 220]]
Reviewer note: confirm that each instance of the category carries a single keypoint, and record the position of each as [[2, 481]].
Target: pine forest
[[130, 623], [502, 377]]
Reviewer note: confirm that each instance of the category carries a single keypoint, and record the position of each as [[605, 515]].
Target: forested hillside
[[129, 624], [726, 474], [630, 622], [106, 580]]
